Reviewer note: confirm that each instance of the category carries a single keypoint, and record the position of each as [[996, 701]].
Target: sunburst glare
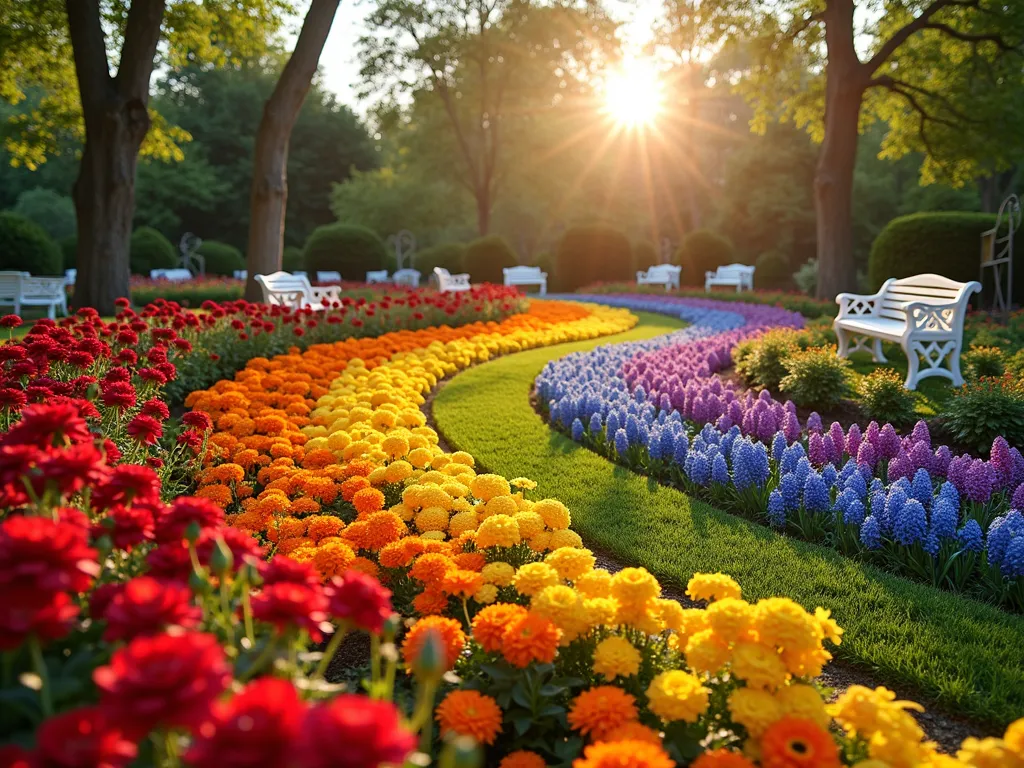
[[633, 93]]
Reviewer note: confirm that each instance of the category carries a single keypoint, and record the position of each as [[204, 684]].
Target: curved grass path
[[959, 653]]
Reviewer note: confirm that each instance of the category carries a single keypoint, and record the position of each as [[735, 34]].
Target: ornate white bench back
[[10, 285], [897, 296], [285, 289], [407, 277], [525, 275], [42, 288]]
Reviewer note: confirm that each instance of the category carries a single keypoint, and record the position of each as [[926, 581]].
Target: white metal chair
[[739, 275], [174, 275], [526, 276], [294, 291], [660, 274], [924, 314], [447, 282], [409, 277], [377, 276]]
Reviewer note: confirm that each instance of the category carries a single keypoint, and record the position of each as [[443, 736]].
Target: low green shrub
[[291, 259], [1015, 364], [645, 255], [761, 364], [221, 258], [979, 412], [69, 248], [188, 294], [25, 247], [979, 362], [883, 398], [351, 250], [816, 378], [772, 271], [486, 257], [450, 256], [701, 251], [151, 250], [52, 211], [592, 253], [806, 276]]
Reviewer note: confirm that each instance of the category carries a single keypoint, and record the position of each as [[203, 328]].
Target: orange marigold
[[634, 731], [722, 758], [367, 501], [305, 506], [320, 526], [333, 558], [288, 546], [355, 534], [453, 640], [359, 467], [460, 583], [489, 624], [623, 754], [470, 561], [383, 528], [598, 710], [353, 485], [470, 713], [365, 565], [318, 458], [395, 555], [530, 638], [430, 602], [522, 758], [793, 742], [431, 567], [219, 494]]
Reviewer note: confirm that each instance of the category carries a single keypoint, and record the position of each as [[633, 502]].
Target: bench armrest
[[943, 317], [854, 304], [332, 294]]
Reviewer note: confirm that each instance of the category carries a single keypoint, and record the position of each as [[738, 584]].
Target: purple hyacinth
[[959, 468], [816, 449], [814, 422], [866, 454], [888, 442], [921, 434], [1017, 502], [1018, 466], [853, 440], [835, 431], [970, 536], [940, 461], [979, 482], [1001, 463], [899, 467], [872, 434], [870, 535], [911, 523], [920, 456], [791, 427]]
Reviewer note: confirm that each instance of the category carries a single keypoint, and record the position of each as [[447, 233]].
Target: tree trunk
[[269, 196], [104, 195]]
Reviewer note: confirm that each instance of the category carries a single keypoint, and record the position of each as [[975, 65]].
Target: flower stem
[[36, 650], [332, 648]]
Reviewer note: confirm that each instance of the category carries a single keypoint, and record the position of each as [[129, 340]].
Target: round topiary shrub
[[291, 259], [69, 247], [590, 254], [701, 251], [942, 243], [772, 271], [645, 255], [486, 257], [52, 211], [448, 256], [346, 248], [221, 258], [25, 247], [151, 250]]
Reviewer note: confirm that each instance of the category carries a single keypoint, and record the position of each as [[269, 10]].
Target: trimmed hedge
[[592, 253], [291, 259], [942, 243], [52, 211], [701, 251], [772, 271], [486, 257], [25, 247], [221, 258], [151, 250], [69, 247], [645, 255], [450, 256], [346, 248]]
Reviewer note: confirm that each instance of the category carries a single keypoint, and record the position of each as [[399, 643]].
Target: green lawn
[[931, 393], [960, 653]]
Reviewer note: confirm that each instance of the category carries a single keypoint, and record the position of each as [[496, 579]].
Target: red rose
[[185, 511], [256, 727], [164, 681], [370, 731], [82, 738], [288, 606], [145, 606], [145, 429], [359, 598]]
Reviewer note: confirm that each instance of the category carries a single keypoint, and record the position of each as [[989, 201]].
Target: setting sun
[[633, 93]]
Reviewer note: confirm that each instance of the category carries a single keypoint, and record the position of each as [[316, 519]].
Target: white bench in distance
[[20, 289], [739, 275], [660, 274], [527, 276], [409, 277], [447, 282], [377, 276], [330, 277], [924, 314], [241, 274], [294, 291], [174, 275]]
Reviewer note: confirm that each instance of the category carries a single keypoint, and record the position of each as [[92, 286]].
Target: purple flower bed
[[658, 406]]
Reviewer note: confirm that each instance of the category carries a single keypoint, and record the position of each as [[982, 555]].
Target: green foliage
[[946, 244], [883, 398], [645, 255], [761, 361], [1015, 365], [291, 258], [592, 253], [701, 251], [69, 249], [816, 378], [221, 258], [25, 247], [486, 257], [151, 250], [773, 271], [979, 361], [806, 277], [981, 411], [450, 256], [353, 251], [54, 212]]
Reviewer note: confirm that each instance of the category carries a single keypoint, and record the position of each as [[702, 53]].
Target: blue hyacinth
[[790, 488], [970, 536], [613, 424], [855, 483], [829, 475], [816, 498], [779, 445], [621, 442], [945, 518], [803, 469], [654, 445], [931, 544], [668, 442], [1012, 564], [595, 424], [632, 429], [893, 505], [854, 514], [1001, 532], [577, 430], [910, 525], [682, 448], [948, 491], [776, 508], [719, 470], [699, 469], [870, 536], [921, 488], [791, 456]]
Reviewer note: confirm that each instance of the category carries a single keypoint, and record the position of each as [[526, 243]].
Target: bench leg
[[843, 347], [954, 367], [876, 352], [913, 364]]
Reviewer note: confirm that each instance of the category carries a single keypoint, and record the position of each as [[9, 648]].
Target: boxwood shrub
[[25, 247], [351, 250], [450, 256], [486, 257], [221, 258], [701, 251], [592, 253], [151, 250]]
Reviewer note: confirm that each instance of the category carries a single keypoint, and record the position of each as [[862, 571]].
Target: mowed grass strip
[[959, 653]]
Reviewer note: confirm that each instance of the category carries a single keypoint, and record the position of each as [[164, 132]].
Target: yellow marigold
[[571, 563], [533, 577], [420, 457], [431, 567], [367, 501], [530, 638], [486, 594], [403, 512], [634, 586], [432, 496], [319, 526], [712, 586], [623, 754], [615, 656], [863, 711], [498, 573], [540, 542], [219, 494], [530, 524], [671, 613], [383, 528], [333, 558], [988, 753], [730, 618], [432, 519], [461, 457], [807, 663], [486, 487], [523, 483], [754, 709], [501, 505], [434, 535], [564, 608], [785, 624], [453, 640], [829, 628], [497, 531], [634, 731], [470, 713], [397, 471], [564, 538], [462, 522], [598, 710], [440, 461], [461, 583], [383, 420], [554, 513], [595, 583], [677, 695], [643, 616], [1014, 736], [490, 623], [803, 701], [601, 611], [706, 653], [522, 758], [759, 665], [433, 477], [455, 490]]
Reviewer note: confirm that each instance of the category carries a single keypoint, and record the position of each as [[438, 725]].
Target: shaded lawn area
[[961, 653]]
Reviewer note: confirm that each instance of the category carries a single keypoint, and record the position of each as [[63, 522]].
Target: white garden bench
[[527, 276], [294, 291], [924, 314], [20, 289], [241, 274], [377, 276], [739, 275], [660, 274], [447, 282], [328, 277], [174, 275], [409, 277], [70, 276]]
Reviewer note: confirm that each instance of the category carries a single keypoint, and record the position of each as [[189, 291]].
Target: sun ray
[[633, 93]]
